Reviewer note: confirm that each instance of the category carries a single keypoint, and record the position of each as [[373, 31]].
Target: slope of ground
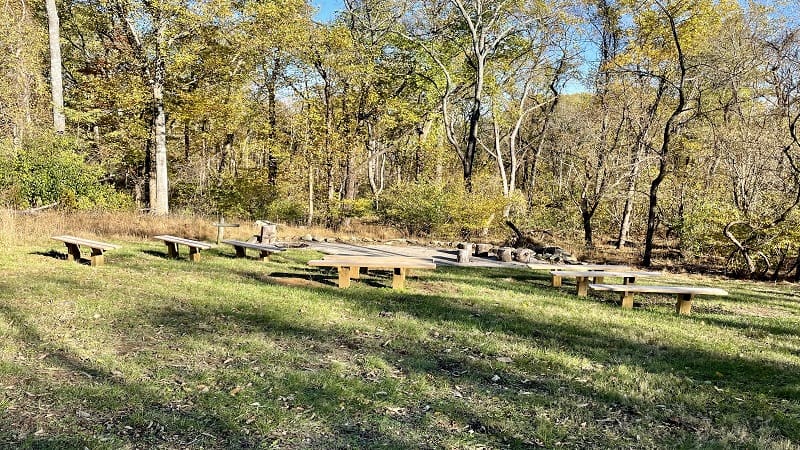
[[147, 352]]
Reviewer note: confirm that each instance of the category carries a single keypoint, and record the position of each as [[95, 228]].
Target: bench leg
[[73, 252], [628, 280], [264, 255], [240, 252], [355, 272], [582, 284], [599, 280], [556, 282], [399, 278], [97, 257], [627, 300], [172, 249], [684, 305], [194, 254], [344, 277]]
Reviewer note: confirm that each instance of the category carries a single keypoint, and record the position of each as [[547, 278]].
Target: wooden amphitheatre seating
[[73, 244], [685, 294], [582, 277], [172, 243], [349, 267], [263, 249]]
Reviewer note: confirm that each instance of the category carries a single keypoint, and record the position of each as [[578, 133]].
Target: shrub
[[49, 170], [427, 207]]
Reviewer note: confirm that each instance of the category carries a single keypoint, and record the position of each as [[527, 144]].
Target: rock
[[569, 259], [368, 239], [317, 239], [307, 238], [505, 254], [483, 250], [523, 255]]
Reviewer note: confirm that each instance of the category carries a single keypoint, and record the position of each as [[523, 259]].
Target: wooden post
[[599, 280], [556, 281], [241, 252], [684, 305], [264, 255], [221, 231], [73, 252], [355, 272], [194, 254], [172, 249], [464, 255], [505, 254], [97, 257], [344, 277], [629, 280], [399, 278], [627, 300], [583, 286]]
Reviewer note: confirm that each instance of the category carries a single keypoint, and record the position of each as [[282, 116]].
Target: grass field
[[147, 352]]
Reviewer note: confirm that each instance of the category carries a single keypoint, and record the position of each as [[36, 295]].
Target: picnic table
[[73, 244], [582, 277], [349, 266], [172, 243], [685, 294]]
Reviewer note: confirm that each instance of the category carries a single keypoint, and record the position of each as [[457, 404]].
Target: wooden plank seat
[[548, 266], [172, 243], [598, 276], [349, 267], [73, 244], [685, 294], [264, 250]]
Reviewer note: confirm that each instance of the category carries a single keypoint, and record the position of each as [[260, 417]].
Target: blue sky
[[326, 9]]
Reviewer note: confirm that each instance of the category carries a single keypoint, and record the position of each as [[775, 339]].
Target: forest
[[644, 123]]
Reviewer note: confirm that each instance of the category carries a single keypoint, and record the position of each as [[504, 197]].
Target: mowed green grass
[[147, 352]]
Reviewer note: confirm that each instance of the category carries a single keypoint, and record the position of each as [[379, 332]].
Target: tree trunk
[[227, 148], [56, 84], [160, 204], [310, 195], [586, 216]]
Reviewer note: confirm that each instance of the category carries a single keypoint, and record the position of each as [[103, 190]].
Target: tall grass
[[18, 228]]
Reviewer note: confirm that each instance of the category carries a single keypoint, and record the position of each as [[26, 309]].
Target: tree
[[56, 85]]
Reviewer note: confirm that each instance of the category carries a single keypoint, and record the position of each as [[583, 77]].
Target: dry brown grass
[[25, 228], [16, 228]]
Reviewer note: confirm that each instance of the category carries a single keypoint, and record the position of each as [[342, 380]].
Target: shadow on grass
[[367, 407], [743, 377], [63, 257]]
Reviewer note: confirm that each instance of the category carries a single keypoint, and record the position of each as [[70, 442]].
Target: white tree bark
[[56, 83]]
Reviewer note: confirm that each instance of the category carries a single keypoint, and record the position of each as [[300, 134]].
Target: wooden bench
[[264, 250], [685, 294], [579, 267], [172, 243], [582, 277], [74, 252], [349, 267]]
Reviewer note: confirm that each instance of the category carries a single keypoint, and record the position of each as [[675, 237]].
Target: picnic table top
[[85, 242], [659, 289], [188, 242], [253, 245], [374, 261], [605, 273]]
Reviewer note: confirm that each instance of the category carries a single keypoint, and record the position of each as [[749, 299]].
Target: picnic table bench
[[349, 267], [172, 243], [685, 294], [264, 250], [74, 252], [582, 277]]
